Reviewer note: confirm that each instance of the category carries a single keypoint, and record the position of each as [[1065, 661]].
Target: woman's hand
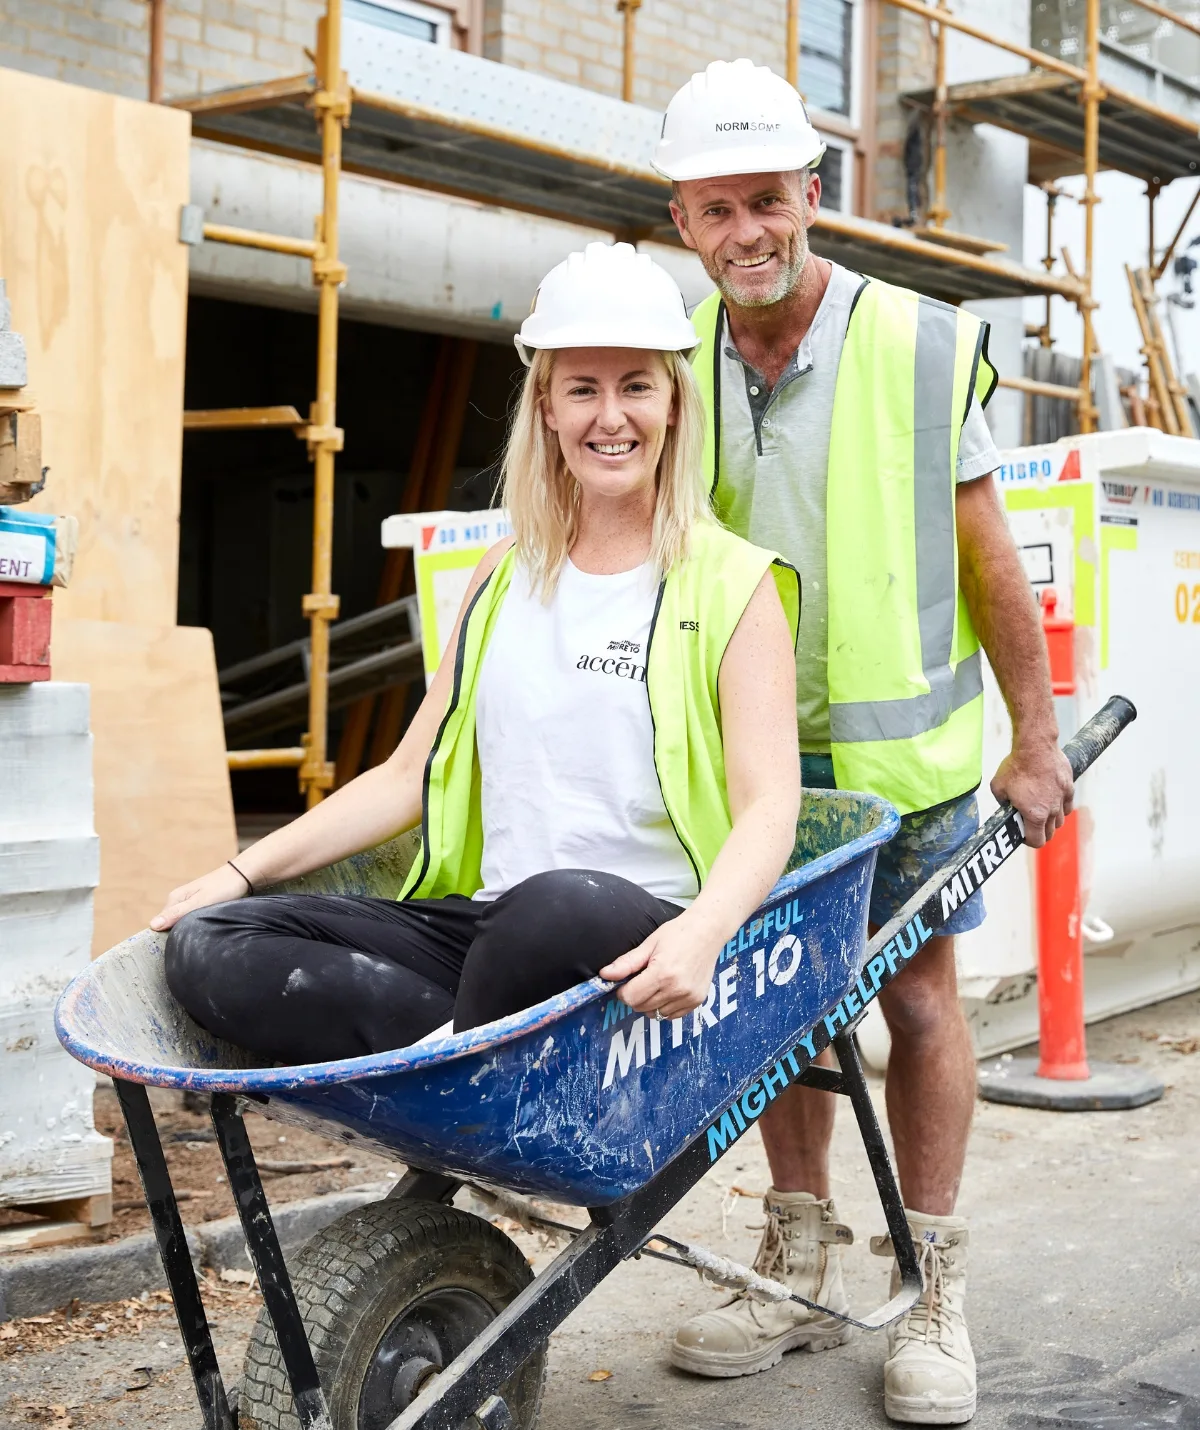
[[219, 887], [674, 968]]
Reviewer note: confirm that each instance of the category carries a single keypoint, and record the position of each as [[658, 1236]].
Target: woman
[[605, 766]]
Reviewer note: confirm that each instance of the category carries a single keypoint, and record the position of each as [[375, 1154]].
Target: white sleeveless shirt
[[566, 740]]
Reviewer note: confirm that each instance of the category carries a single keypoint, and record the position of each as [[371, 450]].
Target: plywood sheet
[[164, 812], [90, 191]]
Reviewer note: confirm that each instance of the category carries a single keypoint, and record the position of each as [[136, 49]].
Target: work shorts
[[926, 840]]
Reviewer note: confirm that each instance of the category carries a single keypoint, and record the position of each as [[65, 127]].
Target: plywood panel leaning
[[164, 811], [90, 191]]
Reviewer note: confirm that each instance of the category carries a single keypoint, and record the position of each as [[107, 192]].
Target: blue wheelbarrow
[[411, 1314]]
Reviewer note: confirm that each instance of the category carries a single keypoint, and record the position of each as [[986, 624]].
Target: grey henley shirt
[[775, 458]]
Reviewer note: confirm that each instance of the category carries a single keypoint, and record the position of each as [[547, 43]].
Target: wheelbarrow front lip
[[266, 1080]]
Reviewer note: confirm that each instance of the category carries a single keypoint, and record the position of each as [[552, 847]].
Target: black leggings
[[303, 978]]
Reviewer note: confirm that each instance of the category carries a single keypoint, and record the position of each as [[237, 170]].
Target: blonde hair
[[542, 497]]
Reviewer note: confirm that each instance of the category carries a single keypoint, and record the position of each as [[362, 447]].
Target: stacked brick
[[580, 40], [210, 44]]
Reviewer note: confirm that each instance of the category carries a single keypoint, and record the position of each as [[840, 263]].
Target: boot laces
[[932, 1307], [771, 1259]]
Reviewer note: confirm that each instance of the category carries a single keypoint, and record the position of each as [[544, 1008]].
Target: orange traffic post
[[1060, 1079], [1061, 1040]]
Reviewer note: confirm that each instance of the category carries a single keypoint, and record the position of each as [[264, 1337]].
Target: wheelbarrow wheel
[[390, 1294]]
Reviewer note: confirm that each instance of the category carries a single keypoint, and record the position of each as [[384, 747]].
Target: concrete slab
[[1174, 1367]]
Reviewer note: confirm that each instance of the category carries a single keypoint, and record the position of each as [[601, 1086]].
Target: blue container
[[578, 1099]]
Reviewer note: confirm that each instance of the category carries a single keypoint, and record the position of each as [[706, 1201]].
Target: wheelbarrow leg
[[173, 1248], [854, 1085], [267, 1258]]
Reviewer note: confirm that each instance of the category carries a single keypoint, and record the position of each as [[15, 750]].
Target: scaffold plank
[[435, 118], [1135, 137]]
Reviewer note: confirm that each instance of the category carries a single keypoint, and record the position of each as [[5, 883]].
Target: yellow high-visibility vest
[[905, 673], [700, 602]]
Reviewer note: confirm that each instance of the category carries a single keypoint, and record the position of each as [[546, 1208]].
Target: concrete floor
[[1084, 1303]]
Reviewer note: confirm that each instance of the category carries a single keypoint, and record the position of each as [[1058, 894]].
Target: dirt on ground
[[293, 1163]]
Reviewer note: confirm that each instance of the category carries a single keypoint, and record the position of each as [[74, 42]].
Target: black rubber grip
[[1088, 743]]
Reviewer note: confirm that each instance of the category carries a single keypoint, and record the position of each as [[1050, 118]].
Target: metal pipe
[[158, 15], [938, 212], [332, 104], [1164, 14], [234, 419], [792, 43], [1152, 189], [1042, 389], [628, 9], [949, 258], [1035, 57], [286, 757], [1053, 194], [1092, 94], [1158, 269], [255, 238]]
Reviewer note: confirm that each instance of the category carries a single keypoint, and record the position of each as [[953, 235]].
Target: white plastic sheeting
[[49, 865]]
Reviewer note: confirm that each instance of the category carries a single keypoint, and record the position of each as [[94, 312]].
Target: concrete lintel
[[416, 260]]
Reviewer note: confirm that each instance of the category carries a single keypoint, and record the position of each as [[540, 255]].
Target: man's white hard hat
[[608, 296], [736, 118]]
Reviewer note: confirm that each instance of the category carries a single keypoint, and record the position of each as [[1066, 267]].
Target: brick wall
[[906, 56], [209, 44], [580, 40]]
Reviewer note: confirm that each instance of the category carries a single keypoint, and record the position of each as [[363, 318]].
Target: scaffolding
[[329, 102], [433, 118], [1073, 117]]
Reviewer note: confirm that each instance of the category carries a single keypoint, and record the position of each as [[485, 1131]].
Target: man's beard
[[787, 281]]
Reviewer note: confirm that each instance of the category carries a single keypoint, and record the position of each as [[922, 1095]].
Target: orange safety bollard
[[1060, 1078], [1062, 1043], [1059, 915]]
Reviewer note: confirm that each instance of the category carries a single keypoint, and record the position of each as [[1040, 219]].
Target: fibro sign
[[957, 887]]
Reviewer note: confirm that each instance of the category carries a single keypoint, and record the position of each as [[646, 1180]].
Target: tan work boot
[[800, 1246], [929, 1375]]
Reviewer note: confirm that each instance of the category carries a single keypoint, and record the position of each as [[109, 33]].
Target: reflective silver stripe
[[933, 493], [902, 719], [933, 524]]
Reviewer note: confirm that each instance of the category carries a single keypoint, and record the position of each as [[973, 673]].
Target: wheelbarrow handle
[[1088, 743], [984, 853]]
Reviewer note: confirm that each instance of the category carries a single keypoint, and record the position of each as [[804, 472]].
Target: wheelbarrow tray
[[577, 1099]]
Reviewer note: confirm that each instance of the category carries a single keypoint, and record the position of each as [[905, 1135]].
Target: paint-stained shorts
[[925, 841]]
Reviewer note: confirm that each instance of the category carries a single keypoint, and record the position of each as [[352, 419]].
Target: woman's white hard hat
[[608, 296], [736, 118]]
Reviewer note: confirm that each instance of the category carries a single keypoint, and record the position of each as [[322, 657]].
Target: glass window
[[826, 28], [831, 171], [416, 22]]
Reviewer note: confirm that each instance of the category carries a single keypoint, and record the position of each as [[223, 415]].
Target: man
[[846, 431]]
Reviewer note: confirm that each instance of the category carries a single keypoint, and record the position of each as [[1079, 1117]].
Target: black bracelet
[[236, 870]]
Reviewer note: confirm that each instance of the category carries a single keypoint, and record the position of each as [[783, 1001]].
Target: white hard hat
[[736, 118], [608, 296]]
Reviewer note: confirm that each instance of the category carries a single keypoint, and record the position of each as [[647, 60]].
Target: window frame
[[845, 131], [441, 19]]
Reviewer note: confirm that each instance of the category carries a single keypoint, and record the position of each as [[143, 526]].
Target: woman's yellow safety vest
[[699, 605], [905, 675]]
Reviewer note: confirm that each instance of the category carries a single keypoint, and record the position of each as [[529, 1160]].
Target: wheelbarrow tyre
[[372, 1286]]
